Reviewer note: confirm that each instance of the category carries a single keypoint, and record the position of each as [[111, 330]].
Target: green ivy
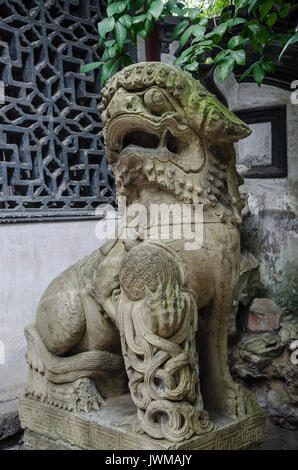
[[128, 19]]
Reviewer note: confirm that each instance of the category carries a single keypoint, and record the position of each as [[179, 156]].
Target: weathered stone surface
[[279, 438], [9, 418], [131, 307], [247, 286], [289, 375], [254, 353], [263, 315], [267, 362], [281, 412], [289, 331], [47, 427], [14, 442]]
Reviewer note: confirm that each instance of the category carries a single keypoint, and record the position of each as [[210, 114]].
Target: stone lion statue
[[149, 315]]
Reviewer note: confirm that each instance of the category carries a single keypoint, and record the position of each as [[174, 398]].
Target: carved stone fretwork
[[157, 324], [153, 309], [52, 162]]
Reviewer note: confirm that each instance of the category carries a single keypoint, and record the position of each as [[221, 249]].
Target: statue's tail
[[59, 369]]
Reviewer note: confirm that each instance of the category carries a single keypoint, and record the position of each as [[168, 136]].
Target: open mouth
[[147, 140], [126, 132]]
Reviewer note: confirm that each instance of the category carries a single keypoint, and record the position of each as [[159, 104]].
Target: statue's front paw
[[236, 402], [245, 402], [86, 396]]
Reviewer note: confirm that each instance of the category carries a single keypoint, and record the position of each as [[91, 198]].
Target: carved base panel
[[110, 428]]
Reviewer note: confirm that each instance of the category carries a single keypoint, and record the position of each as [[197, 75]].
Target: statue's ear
[[213, 121]]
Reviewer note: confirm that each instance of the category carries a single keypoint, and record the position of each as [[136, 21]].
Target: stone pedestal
[[48, 427]]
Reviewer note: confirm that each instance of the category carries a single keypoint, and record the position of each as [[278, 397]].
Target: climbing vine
[[235, 24]]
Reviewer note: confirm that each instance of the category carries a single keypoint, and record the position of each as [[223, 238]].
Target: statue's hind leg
[[222, 396]]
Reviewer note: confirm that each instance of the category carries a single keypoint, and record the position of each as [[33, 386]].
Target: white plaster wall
[[31, 256], [272, 228]]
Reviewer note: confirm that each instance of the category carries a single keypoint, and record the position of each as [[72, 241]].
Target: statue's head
[[160, 127]]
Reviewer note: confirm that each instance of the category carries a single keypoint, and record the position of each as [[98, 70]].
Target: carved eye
[[157, 102], [132, 102]]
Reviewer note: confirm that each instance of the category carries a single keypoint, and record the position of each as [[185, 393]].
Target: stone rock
[[9, 419], [289, 375], [279, 438], [263, 315], [254, 355], [247, 286], [289, 331], [281, 412]]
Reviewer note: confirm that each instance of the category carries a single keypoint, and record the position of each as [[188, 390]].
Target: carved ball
[[147, 266]]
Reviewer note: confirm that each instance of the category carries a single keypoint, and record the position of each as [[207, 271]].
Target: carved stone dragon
[[152, 311]]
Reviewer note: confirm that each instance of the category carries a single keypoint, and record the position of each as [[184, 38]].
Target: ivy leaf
[[225, 67], [235, 41], [221, 29], [120, 34], [257, 31], [259, 74], [239, 56], [137, 4], [89, 67], [247, 71], [139, 19], [179, 28], [126, 21], [105, 26], [149, 25], [192, 67], [178, 12], [156, 9], [265, 8], [252, 4], [220, 56], [184, 56], [198, 30], [140, 28], [271, 20], [109, 69], [203, 21], [116, 7], [185, 36], [285, 11], [110, 42], [237, 21], [291, 41], [240, 4], [193, 13], [126, 60], [268, 65], [112, 51]]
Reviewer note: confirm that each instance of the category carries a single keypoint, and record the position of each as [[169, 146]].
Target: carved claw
[[86, 396]]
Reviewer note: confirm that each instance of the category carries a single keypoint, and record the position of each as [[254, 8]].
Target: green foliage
[[287, 299], [241, 22]]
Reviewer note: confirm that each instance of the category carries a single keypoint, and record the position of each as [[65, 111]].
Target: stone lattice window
[[52, 161]]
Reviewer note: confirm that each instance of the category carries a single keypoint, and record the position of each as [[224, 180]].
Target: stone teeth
[[199, 191], [180, 182], [159, 168], [149, 166]]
